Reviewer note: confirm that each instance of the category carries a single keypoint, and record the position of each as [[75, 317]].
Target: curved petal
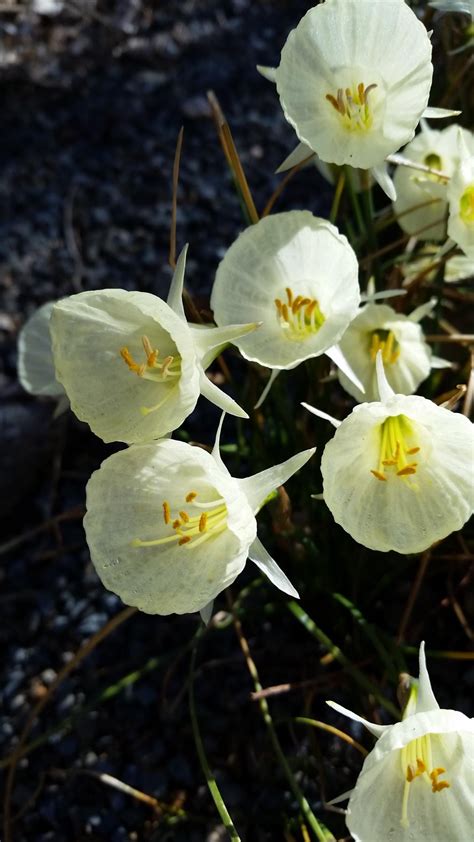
[[175, 294], [425, 699], [376, 730], [288, 254], [259, 486], [35, 357], [219, 398], [259, 555], [91, 331], [300, 154], [135, 542]]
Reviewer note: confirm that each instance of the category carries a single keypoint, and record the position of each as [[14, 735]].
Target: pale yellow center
[[160, 370], [384, 340], [398, 445], [191, 525], [353, 106], [417, 765], [299, 316], [466, 205]]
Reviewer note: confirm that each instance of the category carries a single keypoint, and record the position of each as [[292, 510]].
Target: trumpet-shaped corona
[[35, 357], [297, 276], [397, 475], [168, 528], [130, 363], [461, 201], [416, 783]]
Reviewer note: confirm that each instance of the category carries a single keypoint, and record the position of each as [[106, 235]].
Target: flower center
[[166, 370], [466, 206], [352, 104], [433, 161], [417, 762], [397, 446], [190, 528], [299, 317], [384, 340]]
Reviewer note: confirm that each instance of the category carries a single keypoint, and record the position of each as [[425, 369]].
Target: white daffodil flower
[[131, 365], [407, 358], [354, 80], [461, 201], [397, 475], [422, 201], [459, 268], [169, 528], [417, 781], [35, 358], [296, 275]]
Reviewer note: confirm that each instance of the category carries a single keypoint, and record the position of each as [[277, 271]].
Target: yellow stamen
[[191, 496], [203, 522], [407, 470], [379, 475], [184, 517], [395, 433], [176, 523], [416, 760], [299, 317], [166, 512], [352, 104], [289, 294], [184, 540], [133, 366]]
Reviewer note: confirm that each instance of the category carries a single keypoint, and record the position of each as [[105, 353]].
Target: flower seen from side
[[406, 356], [169, 528], [36, 371], [417, 781], [131, 365], [397, 475], [422, 198]]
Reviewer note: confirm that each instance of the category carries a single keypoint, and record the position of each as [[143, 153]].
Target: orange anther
[[203, 522], [166, 512], [407, 470], [184, 517], [176, 523], [379, 475], [413, 450], [289, 294], [184, 540], [191, 496]]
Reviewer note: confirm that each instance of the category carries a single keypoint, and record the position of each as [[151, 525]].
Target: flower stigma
[[191, 529], [299, 317], [466, 205], [397, 438], [417, 762], [384, 340], [352, 104]]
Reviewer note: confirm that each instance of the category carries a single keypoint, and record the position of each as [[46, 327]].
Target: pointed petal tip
[[267, 72], [320, 414], [385, 390]]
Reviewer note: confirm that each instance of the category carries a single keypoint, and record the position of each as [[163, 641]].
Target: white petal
[[321, 414], [381, 296], [88, 332], [423, 310], [210, 341], [432, 113], [259, 486], [300, 154], [216, 450], [35, 357], [175, 294], [206, 612], [125, 502], [337, 356], [376, 730], [265, 563], [219, 398], [384, 387], [384, 180], [296, 251], [439, 362], [267, 72], [425, 699]]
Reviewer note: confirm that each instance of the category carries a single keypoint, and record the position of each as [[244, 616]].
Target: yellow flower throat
[[166, 370], [397, 447], [352, 104], [190, 529], [466, 206], [299, 317], [417, 762], [384, 340]]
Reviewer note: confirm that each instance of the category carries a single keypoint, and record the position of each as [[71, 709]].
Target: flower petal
[[425, 699], [301, 153], [175, 294], [35, 357], [259, 555], [259, 486], [219, 398], [376, 730]]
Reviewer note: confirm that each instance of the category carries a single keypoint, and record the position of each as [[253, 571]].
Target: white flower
[[296, 275], [168, 528], [461, 201], [131, 365], [459, 268], [407, 357], [417, 782], [35, 357], [425, 192], [354, 80], [397, 475]]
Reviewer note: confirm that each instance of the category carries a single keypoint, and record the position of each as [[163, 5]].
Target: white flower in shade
[[397, 475], [168, 528], [354, 80], [406, 356], [422, 201], [417, 782], [459, 268], [461, 201], [131, 365], [296, 275], [35, 357]]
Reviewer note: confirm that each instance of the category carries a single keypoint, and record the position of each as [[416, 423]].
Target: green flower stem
[[306, 810], [357, 675], [210, 779], [337, 196], [354, 200]]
